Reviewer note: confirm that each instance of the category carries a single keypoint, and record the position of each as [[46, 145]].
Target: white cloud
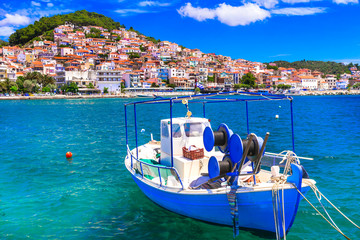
[[296, 1], [16, 19], [153, 4], [281, 55], [345, 1], [347, 61], [37, 4], [50, 12], [6, 31], [298, 11], [266, 3], [243, 15], [227, 14], [197, 13], [126, 12], [50, 4]]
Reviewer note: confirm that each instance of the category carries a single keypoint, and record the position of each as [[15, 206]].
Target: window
[[176, 131], [164, 130], [193, 129]]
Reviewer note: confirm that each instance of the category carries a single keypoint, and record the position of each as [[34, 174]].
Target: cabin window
[[164, 130], [176, 131], [193, 129]]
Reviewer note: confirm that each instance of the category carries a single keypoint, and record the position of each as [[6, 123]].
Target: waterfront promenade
[[122, 95]]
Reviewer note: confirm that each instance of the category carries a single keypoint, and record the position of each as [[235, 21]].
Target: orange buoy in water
[[68, 155]]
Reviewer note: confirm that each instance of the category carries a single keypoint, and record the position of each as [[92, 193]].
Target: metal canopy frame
[[205, 99]]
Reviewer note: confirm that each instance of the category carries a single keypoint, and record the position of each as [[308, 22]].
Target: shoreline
[[95, 96], [143, 95]]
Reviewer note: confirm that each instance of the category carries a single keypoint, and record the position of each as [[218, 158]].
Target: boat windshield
[[193, 129]]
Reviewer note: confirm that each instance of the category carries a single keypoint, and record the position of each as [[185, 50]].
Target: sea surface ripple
[[45, 196]]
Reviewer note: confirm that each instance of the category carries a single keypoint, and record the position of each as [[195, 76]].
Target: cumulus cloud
[[266, 3], [6, 31], [197, 13], [345, 1], [50, 4], [243, 15], [16, 19], [36, 4], [298, 11], [153, 4], [227, 14]]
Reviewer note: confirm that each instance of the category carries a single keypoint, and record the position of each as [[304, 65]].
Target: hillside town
[[124, 59]]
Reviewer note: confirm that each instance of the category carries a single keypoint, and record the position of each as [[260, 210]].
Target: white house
[[66, 51], [309, 82]]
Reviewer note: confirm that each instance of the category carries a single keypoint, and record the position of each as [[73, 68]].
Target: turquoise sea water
[[44, 196]]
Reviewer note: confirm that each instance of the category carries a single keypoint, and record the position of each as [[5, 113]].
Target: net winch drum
[[255, 147], [236, 148], [219, 138], [216, 168]]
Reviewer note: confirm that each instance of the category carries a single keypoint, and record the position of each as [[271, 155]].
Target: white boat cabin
[[188, 133]]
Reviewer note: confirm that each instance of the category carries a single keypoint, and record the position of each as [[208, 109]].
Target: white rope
[[276, 200], [289, 157], [320, 213], [317, 191]]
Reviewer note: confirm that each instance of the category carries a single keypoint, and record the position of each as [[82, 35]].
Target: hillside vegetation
[[46, 25], [324, 67]]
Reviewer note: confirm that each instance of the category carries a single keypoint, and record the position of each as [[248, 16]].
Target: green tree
[[248, 79], [122, 87], [14, 89], [63, 88], [28, 85], [142, 48], [153, 85], [36, 86], [241, 86], [45, 25], [20, 82], [45, 89], [72, 88], [51, 86], [356, 86], [133, 55], [210, 79], [106, 90], [2, 87], [271, 67], [90, 85]]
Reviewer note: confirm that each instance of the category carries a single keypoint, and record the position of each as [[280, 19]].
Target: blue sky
[[256, 30]]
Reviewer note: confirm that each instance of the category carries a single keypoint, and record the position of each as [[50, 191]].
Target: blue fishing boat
[[212, 174]]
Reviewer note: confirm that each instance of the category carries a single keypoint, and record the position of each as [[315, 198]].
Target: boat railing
[[134, 161]]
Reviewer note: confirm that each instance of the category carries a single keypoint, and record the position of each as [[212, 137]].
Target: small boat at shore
[[217, 176]]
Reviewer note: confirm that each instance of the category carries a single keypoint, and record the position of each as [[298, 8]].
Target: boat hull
[[255, 208]]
